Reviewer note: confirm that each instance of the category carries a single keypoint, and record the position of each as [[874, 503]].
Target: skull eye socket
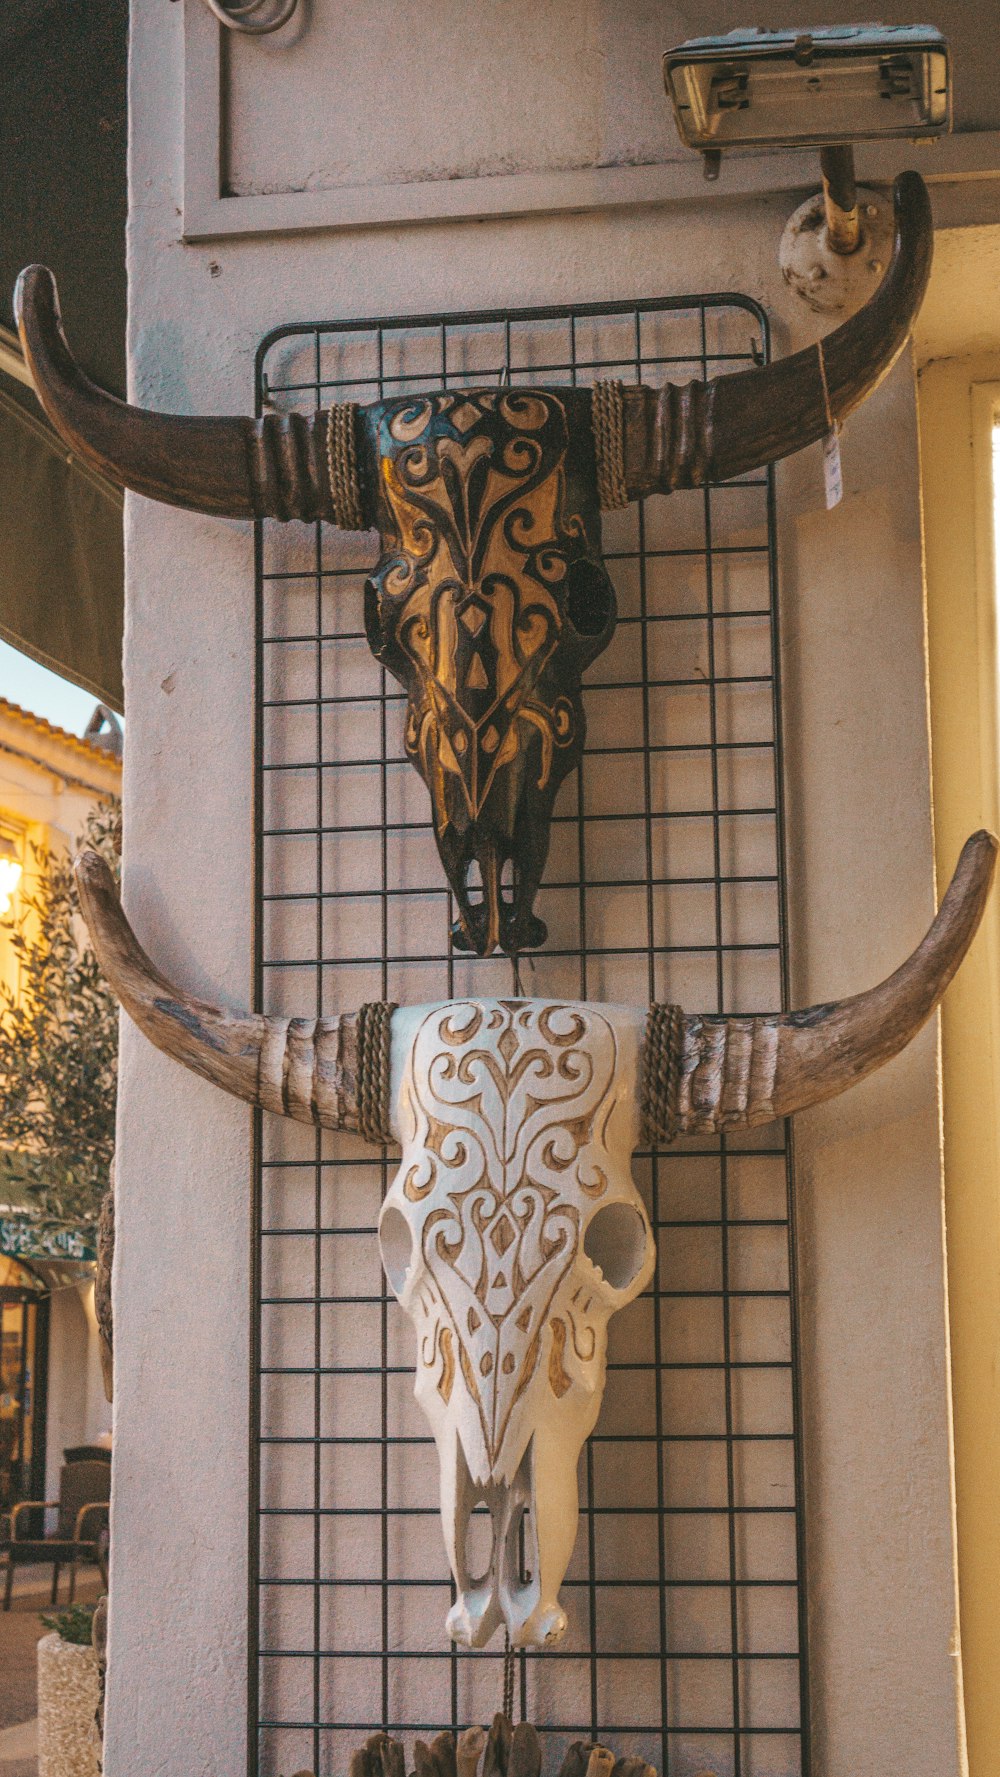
[[615, 1241], [590, 598], [396, 1243]]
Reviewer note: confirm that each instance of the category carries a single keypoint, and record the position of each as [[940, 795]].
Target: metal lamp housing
[[787, 89]]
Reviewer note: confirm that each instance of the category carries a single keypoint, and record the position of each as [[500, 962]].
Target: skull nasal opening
[[615, 1241]]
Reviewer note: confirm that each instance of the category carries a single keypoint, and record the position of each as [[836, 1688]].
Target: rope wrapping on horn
[[342, 466], [661, 1072], [374, 1035], [607, 406]]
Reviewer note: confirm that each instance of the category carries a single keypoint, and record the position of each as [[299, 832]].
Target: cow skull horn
[[700, 1072], [682, 437], [513, 1229], [277, 467], [831, 1047], [710, 1073], [331, 1071], [273, 467]]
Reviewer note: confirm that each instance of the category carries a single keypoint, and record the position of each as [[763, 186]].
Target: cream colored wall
[[958, 318], [576, 84], [506, 111], [48, 785], [958, 344], [881, 1553]]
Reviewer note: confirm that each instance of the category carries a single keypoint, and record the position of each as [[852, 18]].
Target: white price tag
[[833, 480]]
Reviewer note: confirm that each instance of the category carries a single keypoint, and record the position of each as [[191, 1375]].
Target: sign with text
[[21, 1237]]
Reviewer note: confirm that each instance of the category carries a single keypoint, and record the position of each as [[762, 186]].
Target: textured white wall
[[881, 1559], [458, 91]]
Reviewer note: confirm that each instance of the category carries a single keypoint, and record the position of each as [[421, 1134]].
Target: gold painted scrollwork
[[524, 1093], [474, 504]]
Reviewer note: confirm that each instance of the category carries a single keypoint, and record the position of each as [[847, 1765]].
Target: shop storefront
[[24, 1343], [50, 1394]]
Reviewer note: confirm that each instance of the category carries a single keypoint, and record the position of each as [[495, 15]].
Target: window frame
[[959, 406]]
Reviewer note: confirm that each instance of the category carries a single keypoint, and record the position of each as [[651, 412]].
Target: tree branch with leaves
[[59, 1044]]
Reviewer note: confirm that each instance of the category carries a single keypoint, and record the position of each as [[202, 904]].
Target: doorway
[[24, 1328]]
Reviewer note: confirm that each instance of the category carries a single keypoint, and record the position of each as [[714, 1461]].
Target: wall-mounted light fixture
[[786, 89], [825, 88]]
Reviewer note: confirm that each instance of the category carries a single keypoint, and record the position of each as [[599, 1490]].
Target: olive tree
[[59, 1045]]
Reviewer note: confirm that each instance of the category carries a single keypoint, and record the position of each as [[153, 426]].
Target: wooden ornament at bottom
[[507, 1751]]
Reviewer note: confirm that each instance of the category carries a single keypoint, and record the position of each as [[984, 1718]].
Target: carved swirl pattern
[[510, 1102], [478, 540]]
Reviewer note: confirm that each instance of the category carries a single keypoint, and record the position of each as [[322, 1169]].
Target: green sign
[[23, 1238]]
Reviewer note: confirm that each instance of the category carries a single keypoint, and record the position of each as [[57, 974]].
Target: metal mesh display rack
[[686, 1595]]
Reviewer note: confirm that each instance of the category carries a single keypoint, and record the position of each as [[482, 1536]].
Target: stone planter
[[67, 1698]]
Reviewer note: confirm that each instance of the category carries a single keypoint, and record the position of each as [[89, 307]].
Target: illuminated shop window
[[11, 868]]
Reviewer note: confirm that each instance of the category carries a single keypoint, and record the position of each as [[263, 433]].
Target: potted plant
[[68, 1695]]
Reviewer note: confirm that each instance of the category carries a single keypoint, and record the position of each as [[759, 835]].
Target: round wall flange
[[834, 283]]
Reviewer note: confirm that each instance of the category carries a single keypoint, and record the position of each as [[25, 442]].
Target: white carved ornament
[[512, 1232]]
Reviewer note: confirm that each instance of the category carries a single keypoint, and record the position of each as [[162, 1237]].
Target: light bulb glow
[[10, 876]]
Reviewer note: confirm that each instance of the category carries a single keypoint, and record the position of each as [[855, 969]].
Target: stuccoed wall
[[869, 1173], [408, 93]]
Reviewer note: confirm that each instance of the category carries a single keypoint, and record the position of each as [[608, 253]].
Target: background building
[[51, 1394]]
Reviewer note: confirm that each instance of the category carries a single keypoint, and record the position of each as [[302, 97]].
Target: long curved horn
[[275, 467], [703, 1074], [684, 436], [330, 1071]]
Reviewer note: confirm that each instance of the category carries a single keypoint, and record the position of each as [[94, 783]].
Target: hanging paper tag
[[833, 480]]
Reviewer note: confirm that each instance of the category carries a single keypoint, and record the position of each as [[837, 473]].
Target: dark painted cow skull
[[490, 597], [489, 600]]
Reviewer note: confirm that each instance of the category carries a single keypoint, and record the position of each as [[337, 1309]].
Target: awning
[[62, 561], [63, 201]]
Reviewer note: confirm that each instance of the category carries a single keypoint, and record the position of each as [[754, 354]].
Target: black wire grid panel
[[665, 880]]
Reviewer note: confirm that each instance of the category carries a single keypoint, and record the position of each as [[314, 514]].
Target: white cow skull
[[513, 1231]]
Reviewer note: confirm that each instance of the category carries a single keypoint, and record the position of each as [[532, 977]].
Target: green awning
[[63, 202], [62, 561]]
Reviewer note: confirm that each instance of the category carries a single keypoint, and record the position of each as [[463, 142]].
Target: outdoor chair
[[84, 1491]]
